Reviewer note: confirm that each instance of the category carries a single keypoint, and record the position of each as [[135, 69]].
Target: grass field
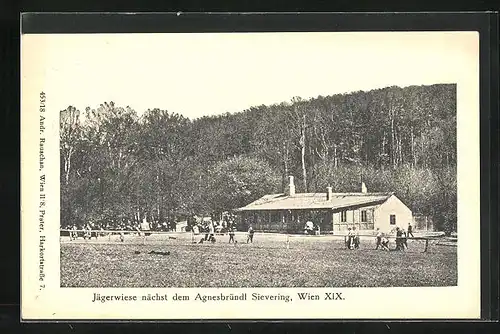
[[308, 262]]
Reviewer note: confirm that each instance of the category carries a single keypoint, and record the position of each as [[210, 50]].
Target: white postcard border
[[53, 302]]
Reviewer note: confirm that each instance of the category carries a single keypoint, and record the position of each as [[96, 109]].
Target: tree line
[[164, 166]]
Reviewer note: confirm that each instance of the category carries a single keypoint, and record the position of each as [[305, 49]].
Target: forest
[[118, 163]]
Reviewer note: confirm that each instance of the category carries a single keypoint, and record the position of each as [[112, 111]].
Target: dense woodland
[[163, 166]]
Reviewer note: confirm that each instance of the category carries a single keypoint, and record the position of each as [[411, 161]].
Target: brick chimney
[[291, 187], [363, 188], [329, 193]]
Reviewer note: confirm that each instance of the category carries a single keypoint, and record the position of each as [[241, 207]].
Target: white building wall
[[336, 218], [356, 214], [393, 206], [353, 218]]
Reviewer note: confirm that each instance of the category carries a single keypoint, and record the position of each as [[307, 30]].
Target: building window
[[363, 216], [343, 216], [393, 219]]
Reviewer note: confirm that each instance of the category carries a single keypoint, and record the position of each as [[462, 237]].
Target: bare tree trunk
[[67, 165], [303, 151], [66, 174], [414, 158], [363, 151], [383, 143], [396, 149], [159, 195], [120, 155], [285, 165], [299, 121], [393, 140], [400, 147], [335, 155], [422, 138]]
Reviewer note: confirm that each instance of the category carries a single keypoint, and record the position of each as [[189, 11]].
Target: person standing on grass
[[356, 237], [350, 237], [309, 227], [88, 232], [205, 229], [399, 237], [231, 234], [347, 238], [410, 230], [93, 230], [211, 230], [379, 239], [74, 234], [384, 242], [250, 234], [404, 243]]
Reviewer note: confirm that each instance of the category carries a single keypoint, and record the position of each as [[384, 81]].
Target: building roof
[[304, 201]]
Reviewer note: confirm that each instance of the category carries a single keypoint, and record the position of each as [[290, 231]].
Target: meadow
[[308, 261]]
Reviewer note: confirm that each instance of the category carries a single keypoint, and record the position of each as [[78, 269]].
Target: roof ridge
[[344, 194], [265, 199]]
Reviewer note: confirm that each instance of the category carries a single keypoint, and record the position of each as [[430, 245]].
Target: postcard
[[294, 175]]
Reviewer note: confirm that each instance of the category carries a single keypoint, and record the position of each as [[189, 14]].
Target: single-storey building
[[332, 212]]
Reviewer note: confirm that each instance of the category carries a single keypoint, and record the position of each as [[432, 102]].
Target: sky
[[207, 74]]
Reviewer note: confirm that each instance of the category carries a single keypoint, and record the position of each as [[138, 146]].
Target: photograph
[[233, 160], [256, 175]]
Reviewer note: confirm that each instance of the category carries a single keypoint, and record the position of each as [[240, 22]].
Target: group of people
[[311, 229], [211, 227], [94, 230], [352, 240], [250, 234], [87, 231], [210, 230], [123, 224], [402, 237], [382, 241]]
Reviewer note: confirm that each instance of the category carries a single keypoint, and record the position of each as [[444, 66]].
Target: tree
[[69, 137], [115, 164], [165, 145], [235, 182], [297, 122], [272, 139]]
